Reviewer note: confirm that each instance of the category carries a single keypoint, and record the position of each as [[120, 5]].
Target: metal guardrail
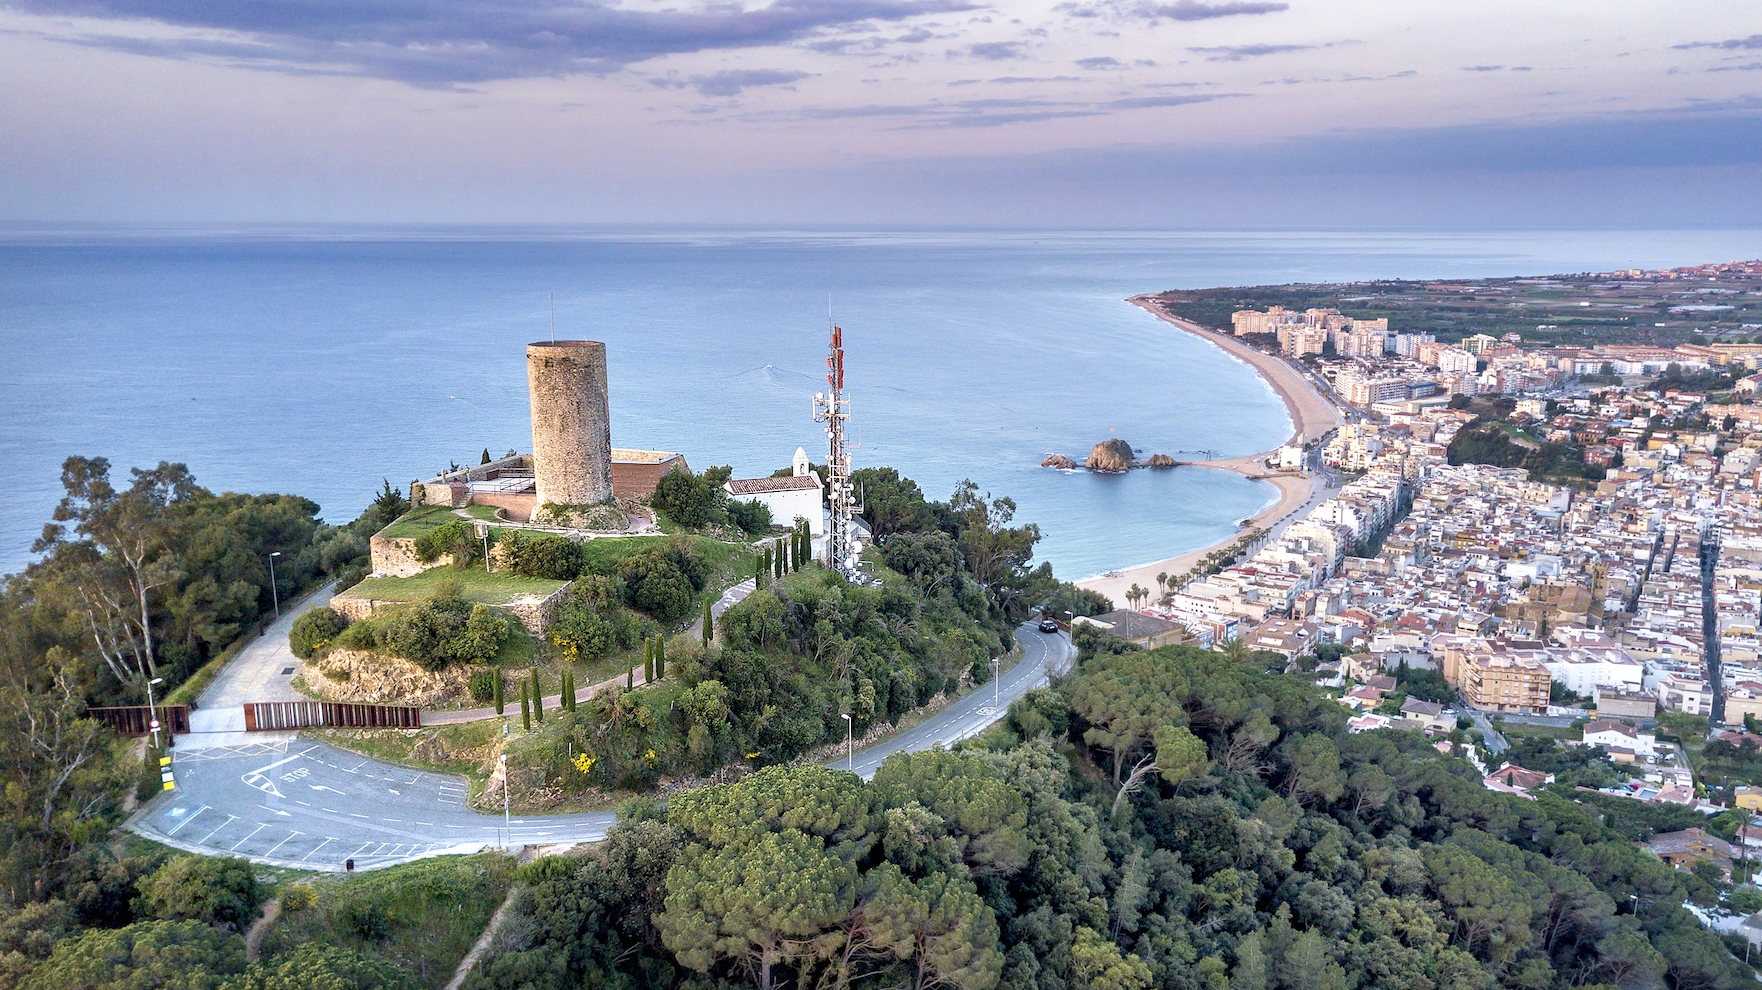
[[263, 716], [136, 720]]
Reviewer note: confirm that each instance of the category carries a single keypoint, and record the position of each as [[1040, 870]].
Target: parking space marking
[[278, 845], [314, 852], [229, 820], [187, 820], [242, 841]]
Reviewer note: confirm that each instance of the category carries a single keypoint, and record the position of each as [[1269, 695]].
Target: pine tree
[[648, 661], [709, 623], [660, 658], [485, 456], [496, 691], [538, 702], [525, 708]]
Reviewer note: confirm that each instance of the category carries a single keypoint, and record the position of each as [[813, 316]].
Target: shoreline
[[1311, 417]]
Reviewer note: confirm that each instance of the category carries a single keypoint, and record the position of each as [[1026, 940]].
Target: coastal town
[[1563, 540]]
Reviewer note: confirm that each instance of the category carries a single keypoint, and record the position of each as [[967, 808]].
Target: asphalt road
[[288, 802], [1043, 654], [306, 805]]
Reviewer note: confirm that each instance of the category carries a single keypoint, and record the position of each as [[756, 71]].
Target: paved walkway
[[553, 702], [263, 670]]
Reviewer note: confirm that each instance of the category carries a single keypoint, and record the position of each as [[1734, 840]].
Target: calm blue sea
[[320, 360]]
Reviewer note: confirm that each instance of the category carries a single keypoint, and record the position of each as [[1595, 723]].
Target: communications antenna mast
[[833, 408]]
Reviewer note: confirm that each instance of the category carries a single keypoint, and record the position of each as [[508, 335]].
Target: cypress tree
[[802, 550], [538, 702], [496, 691], [525, 708], [709, 623], [660, 658], [568, 690], [758, 568], [630, 678], [764, 565], [648, 661]]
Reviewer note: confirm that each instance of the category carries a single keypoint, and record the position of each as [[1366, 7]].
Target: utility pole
[[152, 711], [850, 745], [274, 595]]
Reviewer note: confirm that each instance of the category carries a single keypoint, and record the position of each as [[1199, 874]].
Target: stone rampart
[[533, 612], [395, 557]]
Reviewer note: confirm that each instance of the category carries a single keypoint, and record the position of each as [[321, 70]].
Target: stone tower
[[571, 422]]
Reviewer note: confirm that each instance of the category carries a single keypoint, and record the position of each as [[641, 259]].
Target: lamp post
[[153, 711], [507, 822], [996, 686], [850, 743], [274, 595]]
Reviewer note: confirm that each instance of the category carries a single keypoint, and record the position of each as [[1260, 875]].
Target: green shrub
[[483, 684], [542, 555], [434, 633], [663, 580], [298, 897], [314, 630], [455, 537], [219, 891], [187, 955], [753, 517]]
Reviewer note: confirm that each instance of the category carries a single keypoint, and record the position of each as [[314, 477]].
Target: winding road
[[276, 799]]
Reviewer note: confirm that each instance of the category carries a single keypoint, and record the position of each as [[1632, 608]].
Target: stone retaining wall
[[534, 612], [397, 557]]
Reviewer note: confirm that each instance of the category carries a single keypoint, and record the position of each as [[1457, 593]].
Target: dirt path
[[260, 929], [467, 964]]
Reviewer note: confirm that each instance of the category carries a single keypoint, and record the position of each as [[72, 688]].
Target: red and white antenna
[[833, 408]]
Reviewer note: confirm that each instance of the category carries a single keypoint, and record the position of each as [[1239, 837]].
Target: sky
[[1141, 113]]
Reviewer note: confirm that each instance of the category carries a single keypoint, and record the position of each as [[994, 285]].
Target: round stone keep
[[571, 422]]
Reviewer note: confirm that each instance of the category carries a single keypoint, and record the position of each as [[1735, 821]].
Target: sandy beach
[[1311, 416]]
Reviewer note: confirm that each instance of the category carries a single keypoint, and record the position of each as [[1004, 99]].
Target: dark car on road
[[1048, 625]]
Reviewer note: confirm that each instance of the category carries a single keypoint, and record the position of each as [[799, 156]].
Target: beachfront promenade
[[1312, 417]]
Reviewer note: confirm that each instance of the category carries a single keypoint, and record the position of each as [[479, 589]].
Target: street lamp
[[153, 711], [274, 595], [850, 744], [507, 823], [996, 685]]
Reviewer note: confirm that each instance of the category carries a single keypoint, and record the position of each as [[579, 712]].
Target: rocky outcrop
[[365, 677], [1113, 456], [1110, 456]]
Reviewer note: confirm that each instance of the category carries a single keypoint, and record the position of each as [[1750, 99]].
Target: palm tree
[[1136, 594], [1235, 651]]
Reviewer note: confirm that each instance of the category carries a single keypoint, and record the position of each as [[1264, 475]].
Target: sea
[[323, 360]]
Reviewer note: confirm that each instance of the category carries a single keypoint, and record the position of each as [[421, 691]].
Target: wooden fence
[[135, 720], [261, 716]]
